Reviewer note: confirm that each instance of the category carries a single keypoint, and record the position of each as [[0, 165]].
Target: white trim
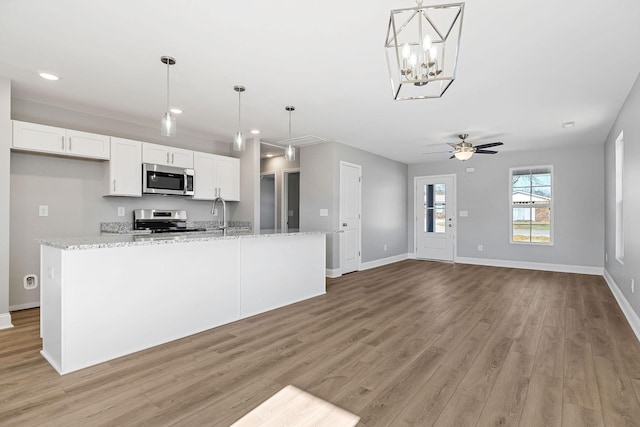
[[24, 306], [550, 205], [623, 303], [383, 261], [562, 268], [412, 255], [5, 321], [332, 273]]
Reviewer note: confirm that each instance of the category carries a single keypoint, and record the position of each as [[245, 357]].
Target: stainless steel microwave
[[159, 179]]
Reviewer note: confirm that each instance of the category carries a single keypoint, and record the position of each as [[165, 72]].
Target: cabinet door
[[155, 154], [125, 168], [228, 177], [34, 137], [84, 144], [204, 168], [181, 158]]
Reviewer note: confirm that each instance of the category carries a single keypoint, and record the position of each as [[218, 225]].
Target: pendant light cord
[[168, 87], [289, 127], [239, 117]]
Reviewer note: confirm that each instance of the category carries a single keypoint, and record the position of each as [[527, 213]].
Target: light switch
[[43, 210], [324, 212], [464, 213]]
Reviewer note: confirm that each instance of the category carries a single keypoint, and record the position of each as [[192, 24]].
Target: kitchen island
[[103, 297]]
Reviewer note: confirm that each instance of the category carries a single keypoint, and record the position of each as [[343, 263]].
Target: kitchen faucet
[[223, 226]]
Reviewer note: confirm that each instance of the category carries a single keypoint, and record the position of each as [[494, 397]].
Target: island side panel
[[121, 300], [282, 270], [51, 305]]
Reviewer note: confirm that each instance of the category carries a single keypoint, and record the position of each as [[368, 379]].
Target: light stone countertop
[[122, 240]]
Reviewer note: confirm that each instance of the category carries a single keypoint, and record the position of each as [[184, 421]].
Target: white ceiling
[[524, 68]]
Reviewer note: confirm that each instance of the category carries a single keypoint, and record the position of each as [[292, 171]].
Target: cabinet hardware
[[62, 141], [70, 149], [173, 160], [167, 158], [114, 185]]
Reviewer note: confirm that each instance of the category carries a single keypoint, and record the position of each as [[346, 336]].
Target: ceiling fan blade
[[452, 157], [491, 144], [486, 152], [451, 144]]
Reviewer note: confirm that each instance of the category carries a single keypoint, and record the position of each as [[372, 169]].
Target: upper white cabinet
[[216, 175], [123, 173], [167, 156], [54, 140]]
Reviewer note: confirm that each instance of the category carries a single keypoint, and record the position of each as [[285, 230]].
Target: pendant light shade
[[168, 125], [238, 139], [290, 152]]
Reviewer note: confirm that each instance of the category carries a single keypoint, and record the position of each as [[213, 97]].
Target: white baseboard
[[384, 261], [24, 306], [5, 321], [411, 255], [629, 312], [562, 268], [332, 273]]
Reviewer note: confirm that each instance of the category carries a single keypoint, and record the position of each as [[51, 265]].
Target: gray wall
[[384, 199], [73, 189], [628, 121], [5, 143], [249, 208], [578, 214]]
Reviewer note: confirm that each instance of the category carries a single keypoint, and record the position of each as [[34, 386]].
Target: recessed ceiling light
[[49, 76], [255, 131], [176, 110], [269, 155], [568, 124]]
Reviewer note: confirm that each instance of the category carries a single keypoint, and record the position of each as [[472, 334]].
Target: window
[[434, 208], [531, 201], [619, 146]]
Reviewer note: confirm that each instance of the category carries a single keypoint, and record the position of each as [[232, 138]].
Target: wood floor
[[414, 343]]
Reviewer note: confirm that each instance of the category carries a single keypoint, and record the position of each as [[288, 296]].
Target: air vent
[[301, 141]]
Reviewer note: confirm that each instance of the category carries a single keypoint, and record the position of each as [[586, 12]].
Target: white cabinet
[[54, 140], [123, 173], [216, 175], [167, 156]]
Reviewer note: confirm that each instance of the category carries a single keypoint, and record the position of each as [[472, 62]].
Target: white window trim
[[551, 207]]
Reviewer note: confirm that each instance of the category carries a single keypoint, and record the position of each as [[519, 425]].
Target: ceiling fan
[[464, 150]]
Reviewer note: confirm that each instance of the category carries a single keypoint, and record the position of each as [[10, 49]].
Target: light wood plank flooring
[[414, 343]]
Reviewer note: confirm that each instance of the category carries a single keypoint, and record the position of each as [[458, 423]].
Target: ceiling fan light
[[463, 155]]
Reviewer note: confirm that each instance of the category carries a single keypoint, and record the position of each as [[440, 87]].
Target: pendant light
[[168, 124], [290, 152], [238, 139]]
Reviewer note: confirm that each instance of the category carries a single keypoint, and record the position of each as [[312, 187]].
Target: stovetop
[[176, 230]]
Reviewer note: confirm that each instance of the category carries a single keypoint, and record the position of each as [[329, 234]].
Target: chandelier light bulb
[[426, 43], [413, 60], [406, 51], [433, 53]]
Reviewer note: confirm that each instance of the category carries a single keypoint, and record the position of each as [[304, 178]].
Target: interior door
[[350, 199], [435, 217]]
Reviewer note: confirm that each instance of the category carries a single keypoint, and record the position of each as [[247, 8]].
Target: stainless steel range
[[162, 221]]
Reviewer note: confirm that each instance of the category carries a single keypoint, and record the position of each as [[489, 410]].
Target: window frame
[[550, 205]]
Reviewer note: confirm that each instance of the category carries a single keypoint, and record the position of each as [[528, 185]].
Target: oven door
[[158, 179]]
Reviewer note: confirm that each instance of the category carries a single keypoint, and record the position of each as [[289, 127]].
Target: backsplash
[[127, 227]]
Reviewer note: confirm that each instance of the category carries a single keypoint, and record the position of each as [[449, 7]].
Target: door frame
[[359, 202], [284, 217], [455, 213], [275, 197]]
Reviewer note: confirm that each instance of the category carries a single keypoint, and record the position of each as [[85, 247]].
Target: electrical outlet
[[385, 247], [43, 210], [480, 248], [606, 257], [121, 211], [633, 286]]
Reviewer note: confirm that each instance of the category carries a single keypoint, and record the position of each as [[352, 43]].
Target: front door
[[435, 217]]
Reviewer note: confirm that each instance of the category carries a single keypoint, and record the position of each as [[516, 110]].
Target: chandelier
[[422, 49]]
